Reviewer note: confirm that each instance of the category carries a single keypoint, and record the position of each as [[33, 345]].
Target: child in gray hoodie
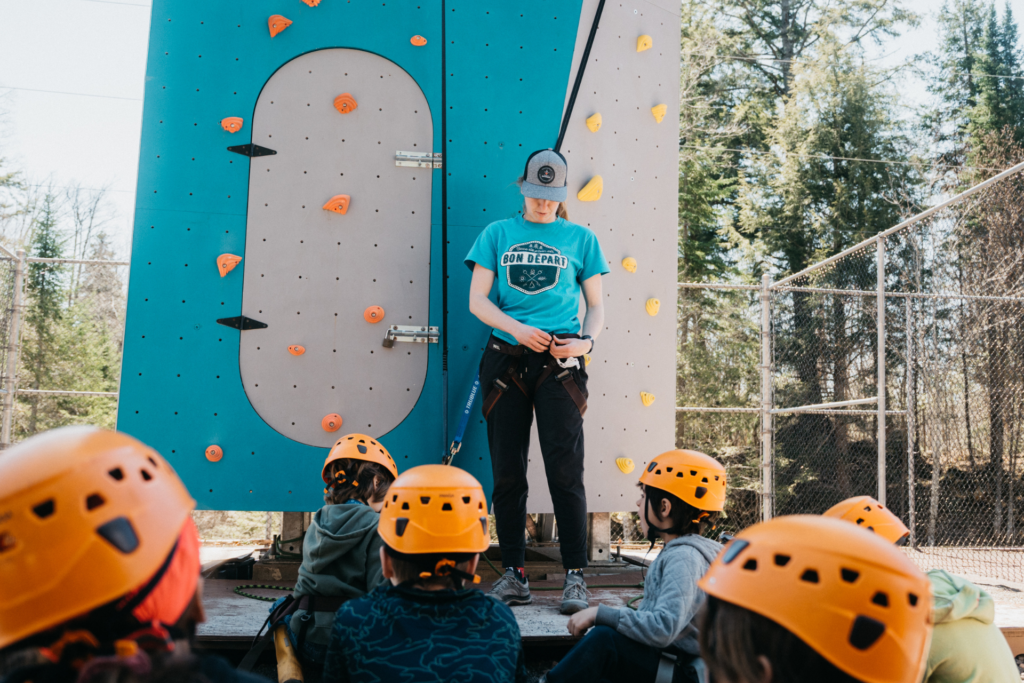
[[341, 549], [681, 492]]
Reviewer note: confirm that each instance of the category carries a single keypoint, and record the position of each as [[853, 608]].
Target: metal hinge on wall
[[410, 333], [418, 159]]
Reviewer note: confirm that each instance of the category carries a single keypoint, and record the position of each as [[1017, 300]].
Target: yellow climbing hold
[[659, 112], [648, 399], [591, 192], [629, 263], [644, 42], [594, 122], [652, 306], [625, 464], [586, 359]]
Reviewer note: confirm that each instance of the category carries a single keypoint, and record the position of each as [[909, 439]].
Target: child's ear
[[386, 568], [666, 508]]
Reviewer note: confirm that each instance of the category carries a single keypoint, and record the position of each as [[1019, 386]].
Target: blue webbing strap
[[463, 422]]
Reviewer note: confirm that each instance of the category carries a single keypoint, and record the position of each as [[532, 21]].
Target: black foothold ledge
[[242, 323], [252, 150]]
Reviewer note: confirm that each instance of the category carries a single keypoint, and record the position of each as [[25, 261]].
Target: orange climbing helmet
[[853, 598], [435, 509], [691, 476], [86, 516], [866, 512], [359, 447]]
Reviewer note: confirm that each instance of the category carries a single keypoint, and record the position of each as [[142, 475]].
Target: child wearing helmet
[[424, 624], [341, 549], [966, 644], [99, 564], [682, 493], [806, 599]]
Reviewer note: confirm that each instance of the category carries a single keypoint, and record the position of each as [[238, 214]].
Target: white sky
[[98, 47]]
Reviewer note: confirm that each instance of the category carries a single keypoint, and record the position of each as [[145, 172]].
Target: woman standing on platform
[[534, 361]]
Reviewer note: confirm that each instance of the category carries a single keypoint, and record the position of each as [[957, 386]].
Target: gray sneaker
[[574, 594], [510, 591]]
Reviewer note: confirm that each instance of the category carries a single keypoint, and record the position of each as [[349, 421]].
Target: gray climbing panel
[[310, 273]]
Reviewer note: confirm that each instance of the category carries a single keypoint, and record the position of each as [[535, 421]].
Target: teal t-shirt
[[539, 268]]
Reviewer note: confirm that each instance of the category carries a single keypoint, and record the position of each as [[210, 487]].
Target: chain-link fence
[[781, 382]]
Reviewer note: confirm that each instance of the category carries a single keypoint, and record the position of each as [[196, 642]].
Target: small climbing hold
[[594, 122], [418, 41], [227, 262], [345, 103], [659, 112], [277, 23], [625, 464], [231, 124], [629, 263], [648, 399], [312, 3], [296, 350], [644, 42], [652, 306], [591, 192], [338, 204], [586, 359], [214, 453], [331, 423], [373, 314]]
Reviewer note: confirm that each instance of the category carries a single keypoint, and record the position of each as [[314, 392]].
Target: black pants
[[560, 428], [604, 654]]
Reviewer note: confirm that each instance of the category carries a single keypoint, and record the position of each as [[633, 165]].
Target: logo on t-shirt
[[533, 267]]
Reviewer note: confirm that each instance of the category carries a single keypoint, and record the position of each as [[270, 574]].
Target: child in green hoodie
[[341, 550]]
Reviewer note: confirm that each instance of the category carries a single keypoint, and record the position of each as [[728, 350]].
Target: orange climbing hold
[[373, 314], [345, 103], [227, 262], [214, 453], [231, 124], [312, 3], [331, 423], [418, 41], [338, 204], [296, 350], [277, 24]]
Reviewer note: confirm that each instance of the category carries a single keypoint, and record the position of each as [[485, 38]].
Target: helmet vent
[[867, 508], [716, 477], [750, 565], [362, 449], [860, 520], [693, 473], [881, 599], [782, 560], [44, 509], [6, 542], [146, 475], [679, 474], [700, 492], [446, 507], [116, 474], [657, 471], [94, 501], [865, 632], [400, 525], [734, 549], [120, 533], [152, 461], [466, 499], [394, 498], [849, 575], [479, 506], [483, 525], [405, 505], [810, 576], [425, 500], [669, 470], [704, 480], [913, 599], [650, 468]]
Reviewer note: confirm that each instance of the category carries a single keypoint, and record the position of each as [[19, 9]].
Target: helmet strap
[[447, 568]]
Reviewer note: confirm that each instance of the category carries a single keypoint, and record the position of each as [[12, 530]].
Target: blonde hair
[[561, 211]]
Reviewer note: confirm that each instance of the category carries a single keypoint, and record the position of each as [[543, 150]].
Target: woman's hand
[[582, 621], [532, 338], [569, 348]]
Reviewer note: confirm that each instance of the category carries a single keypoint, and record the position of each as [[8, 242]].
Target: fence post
[[13, 349], [880, 295], [911, 424], [767, 475]]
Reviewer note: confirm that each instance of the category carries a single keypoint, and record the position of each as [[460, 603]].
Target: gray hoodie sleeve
[[677, 602]]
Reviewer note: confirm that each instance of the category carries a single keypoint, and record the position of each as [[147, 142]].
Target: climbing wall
[[242, 354]]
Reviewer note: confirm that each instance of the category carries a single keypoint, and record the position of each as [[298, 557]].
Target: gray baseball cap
[[544, 177]]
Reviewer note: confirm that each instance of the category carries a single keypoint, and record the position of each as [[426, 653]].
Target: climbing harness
[[511, 375], [463, 421]]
